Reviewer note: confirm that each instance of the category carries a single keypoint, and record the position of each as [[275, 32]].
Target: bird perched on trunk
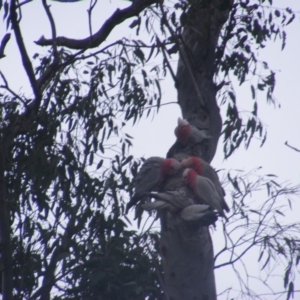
[[204, 189], [196, 212], [151, 175], [172, 200], [178, 203], [204, 169], [189, 139], [188, 134]]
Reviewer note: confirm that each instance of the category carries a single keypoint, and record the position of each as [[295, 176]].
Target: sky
[[154, 136]]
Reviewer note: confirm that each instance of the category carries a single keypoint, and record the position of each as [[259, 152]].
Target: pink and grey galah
[[151, 175], [196, 212], [174, 200], [202, 168], [178, 203], [204, 189], [188, 134]]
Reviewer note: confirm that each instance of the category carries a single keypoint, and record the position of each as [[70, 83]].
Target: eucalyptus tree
[[65, 162]]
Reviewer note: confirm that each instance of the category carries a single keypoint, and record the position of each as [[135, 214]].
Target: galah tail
[[196, 212], [172, 200], [158, 205], [204, 169], [177, 202], [153, 172], [204, 189], [188, 134]]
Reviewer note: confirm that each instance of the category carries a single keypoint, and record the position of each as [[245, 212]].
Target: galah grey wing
[[210, 173], [195, 212], [158, 204], [176, 199], [147, 180], [206, 190]]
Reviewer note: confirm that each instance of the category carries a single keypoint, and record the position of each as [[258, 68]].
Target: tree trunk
[[187, 250], [5, 243], [188, 261]]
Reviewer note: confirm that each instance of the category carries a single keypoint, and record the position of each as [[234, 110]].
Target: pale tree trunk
[[186, 249]]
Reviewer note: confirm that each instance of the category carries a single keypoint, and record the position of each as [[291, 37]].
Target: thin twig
[[25, 2], [162, 46], [92, 5], [286, 143], [3, 44], [23, 52], [5, 86]]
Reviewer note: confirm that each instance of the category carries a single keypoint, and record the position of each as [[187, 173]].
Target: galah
[[204, 169], [188, 134], [196, 212], [151, 175], [172, 200], [204, 189], [178, 203], [158, 205]]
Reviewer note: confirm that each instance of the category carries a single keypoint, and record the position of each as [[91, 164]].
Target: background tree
[[63, 235]]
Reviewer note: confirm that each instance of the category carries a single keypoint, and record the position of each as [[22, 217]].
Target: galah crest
[[204, 189], [202, 168], [188, 134], [151, 175]]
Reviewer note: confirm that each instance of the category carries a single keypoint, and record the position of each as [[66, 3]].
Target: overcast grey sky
[[154, 136]]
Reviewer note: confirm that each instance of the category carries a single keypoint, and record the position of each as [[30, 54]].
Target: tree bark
[[187, 250], [5, 232], [188, 261], [196, 89]]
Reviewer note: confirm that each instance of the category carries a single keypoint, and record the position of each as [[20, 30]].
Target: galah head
[[189, 176], [193, 162], [182, 130], [170, 166]]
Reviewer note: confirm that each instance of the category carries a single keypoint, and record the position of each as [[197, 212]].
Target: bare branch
[[25, 2], [163, 48], [6, 87], [100, 36], [286, 143], [25, 58], [3, 44], [92, 5], [53, 29]]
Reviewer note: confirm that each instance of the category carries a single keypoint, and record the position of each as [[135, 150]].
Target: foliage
[[265, 230], [249, 28], [67, 163]]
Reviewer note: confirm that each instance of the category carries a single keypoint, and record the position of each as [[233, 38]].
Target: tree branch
[[90, 9], [286, 143], [100, 36], [49, 278], [6, 87], [163, 49], [53, 29], [3, 44], [25, 58]]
